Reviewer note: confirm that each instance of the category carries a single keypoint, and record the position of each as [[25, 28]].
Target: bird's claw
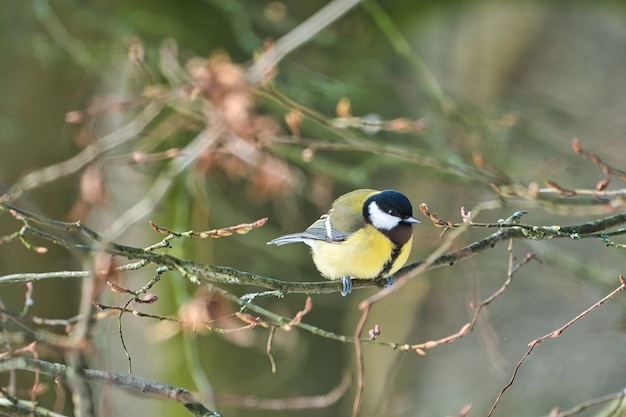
[[389, 281], [346, 286]]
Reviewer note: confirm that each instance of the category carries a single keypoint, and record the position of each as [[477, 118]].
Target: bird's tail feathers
[[284, 240]]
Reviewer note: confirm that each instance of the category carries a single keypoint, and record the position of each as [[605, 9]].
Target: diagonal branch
[[126, 382]]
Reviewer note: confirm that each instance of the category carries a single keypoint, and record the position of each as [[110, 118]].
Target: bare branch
[[129, 383], [72, 165], [554, 334]]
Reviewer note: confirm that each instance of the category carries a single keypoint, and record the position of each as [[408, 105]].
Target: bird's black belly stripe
[[389, 264]]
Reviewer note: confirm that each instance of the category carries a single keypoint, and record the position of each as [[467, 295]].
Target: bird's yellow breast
[[363, 255]]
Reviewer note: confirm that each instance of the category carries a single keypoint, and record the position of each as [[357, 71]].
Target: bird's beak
[[410, 220]]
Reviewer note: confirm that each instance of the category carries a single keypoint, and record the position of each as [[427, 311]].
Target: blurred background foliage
[[509, 82]]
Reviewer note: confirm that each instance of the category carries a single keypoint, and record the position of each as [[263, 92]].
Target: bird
[[367, 234]]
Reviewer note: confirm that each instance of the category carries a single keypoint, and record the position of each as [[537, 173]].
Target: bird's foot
[[346, 286], [386, 282], [389, 281]]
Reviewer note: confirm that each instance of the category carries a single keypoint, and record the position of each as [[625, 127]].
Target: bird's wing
[[337, 225], [343, 219], [320, 230], [323, 229]]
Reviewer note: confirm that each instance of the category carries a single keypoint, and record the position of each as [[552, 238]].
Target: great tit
[[367, 234]]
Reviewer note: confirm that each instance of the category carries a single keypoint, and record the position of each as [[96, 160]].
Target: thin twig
[[89, 154], [268, 348], [162, 184], [554, 334], [594, 402], [360, 362], [301, 34], [512, 270], [299, 403], [241, 229]]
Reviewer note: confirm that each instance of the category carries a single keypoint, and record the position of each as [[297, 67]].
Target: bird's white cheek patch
[[380, 219]]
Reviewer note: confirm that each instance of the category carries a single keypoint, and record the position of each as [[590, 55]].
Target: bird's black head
[[390, 212]]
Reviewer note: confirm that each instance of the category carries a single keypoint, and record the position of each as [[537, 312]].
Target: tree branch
[[202, 273], [127, 382]]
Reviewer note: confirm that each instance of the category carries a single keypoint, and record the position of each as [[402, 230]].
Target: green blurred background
[[513, 80]]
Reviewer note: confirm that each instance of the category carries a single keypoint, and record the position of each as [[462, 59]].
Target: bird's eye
[[393, 212]]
